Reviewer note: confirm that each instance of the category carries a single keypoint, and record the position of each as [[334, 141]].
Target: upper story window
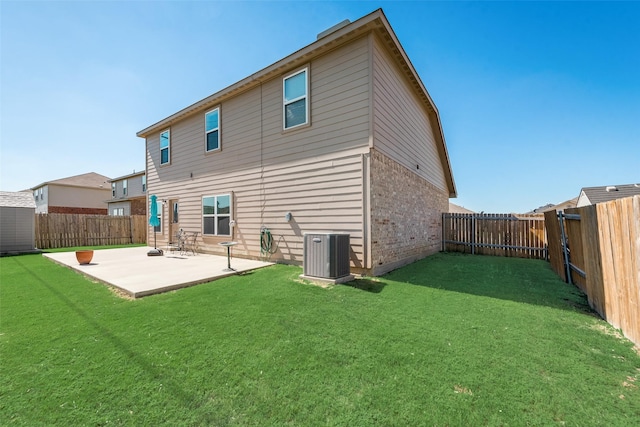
[[295, 99], [212, 130], [124, 187], [35, 194], [216, 215], [165, 145], [113, 189], [144, 183]]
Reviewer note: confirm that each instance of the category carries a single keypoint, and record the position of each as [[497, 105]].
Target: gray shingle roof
[[91, 180], [610, 192], [17, 199]]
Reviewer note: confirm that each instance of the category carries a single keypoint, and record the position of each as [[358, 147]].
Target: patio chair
[[177, 242], [190, 243]]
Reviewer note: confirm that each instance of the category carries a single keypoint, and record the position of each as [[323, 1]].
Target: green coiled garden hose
[[266, 241]]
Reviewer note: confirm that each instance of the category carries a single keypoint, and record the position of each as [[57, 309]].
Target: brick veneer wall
[[84, 211], [406, 215]]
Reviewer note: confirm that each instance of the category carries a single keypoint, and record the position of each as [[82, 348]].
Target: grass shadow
[[515, 279], [368, 285]]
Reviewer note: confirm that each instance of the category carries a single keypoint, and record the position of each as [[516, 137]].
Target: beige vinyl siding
[[314, 172], [323, 194], [402, 128], [79, 197], [339, 99]]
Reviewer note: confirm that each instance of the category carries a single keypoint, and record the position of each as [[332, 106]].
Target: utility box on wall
[[326, 255]]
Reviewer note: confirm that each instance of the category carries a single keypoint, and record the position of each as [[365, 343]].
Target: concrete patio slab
[[138, 275]]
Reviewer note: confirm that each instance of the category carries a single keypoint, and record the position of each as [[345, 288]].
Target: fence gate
[[566, 254]]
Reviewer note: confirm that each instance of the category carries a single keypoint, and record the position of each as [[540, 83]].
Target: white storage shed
[[17, 222]]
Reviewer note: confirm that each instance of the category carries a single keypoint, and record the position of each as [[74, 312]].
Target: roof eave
[[127, 176], [299, 57]]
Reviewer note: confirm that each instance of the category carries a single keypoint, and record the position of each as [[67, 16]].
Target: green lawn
[[455, 340]]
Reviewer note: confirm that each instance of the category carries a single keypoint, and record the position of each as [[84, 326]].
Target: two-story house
[[340, 136], [128, 195], [79, 194]]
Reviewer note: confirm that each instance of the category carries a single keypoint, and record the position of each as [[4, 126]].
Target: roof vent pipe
[[333, 29]]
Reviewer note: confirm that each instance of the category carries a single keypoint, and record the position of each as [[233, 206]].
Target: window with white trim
[[212, 130], [216, 215], [113, 189], [165, 145], [125, 183], [144, 183], [295, 99]]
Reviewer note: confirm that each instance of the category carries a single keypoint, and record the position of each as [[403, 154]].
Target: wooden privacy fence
[[67, 230], [598, 249], [521, 236]]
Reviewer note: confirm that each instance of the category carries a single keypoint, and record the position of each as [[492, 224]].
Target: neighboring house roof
[[593, 195], [453, 208], [91, 180], [17, 199], [131, 175], [571, 203], [328, 40]]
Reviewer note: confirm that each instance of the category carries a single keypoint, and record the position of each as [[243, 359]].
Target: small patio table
[[228, 246]]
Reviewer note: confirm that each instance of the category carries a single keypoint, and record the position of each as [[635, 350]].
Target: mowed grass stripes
[[450, 340]]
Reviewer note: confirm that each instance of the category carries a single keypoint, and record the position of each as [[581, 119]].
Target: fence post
[[473, 234], [442, 239]]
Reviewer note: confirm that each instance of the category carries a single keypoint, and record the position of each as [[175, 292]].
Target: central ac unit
[[326, 255]]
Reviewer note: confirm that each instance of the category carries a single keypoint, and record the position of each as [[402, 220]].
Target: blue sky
[[537, 99]]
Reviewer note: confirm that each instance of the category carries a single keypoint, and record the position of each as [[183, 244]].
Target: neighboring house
[[17, 222], [571, 203], [128, 195], [340, 136], [453, 208], [80, 194], [593, 195]]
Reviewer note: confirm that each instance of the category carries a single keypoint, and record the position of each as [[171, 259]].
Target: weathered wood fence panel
[[495, 234], [573, 227], [619, 235], [607, 251], [67, 230]]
